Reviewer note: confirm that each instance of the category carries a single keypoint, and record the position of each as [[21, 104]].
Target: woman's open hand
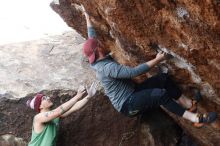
[[91, 91], [161, 56], [81, 91]]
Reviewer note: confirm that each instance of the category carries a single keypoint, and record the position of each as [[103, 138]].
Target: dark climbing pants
[[153, 92]]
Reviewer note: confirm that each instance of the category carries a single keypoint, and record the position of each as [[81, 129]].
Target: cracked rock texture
[[98, 124], [55, 67], [55, 62], [133, 31], [188, 30]]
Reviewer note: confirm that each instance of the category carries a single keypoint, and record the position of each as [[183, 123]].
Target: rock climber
[[131, 98], [45, 123]]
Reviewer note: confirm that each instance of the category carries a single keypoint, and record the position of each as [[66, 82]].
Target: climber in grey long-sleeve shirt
[[116, 79], [130, 98]]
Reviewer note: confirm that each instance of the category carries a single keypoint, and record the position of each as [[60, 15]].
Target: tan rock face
[[55, 66], [189, 30], [49, 63]]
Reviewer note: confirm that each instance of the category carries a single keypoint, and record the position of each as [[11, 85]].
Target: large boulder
[[55, 66], [95, 125], [50, 63], [135, 30]]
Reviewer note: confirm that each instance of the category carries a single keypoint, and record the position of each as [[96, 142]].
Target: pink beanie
[[35, 102]]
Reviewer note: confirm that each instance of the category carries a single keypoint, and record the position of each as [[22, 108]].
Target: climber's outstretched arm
[[90, 29], [80, 104], [91, 91]]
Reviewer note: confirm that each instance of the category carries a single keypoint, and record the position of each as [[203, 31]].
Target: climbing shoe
[[205, 119]]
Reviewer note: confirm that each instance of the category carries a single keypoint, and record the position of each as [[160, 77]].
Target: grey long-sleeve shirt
[[116, 79]]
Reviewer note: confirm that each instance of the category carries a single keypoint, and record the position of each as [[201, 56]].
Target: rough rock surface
[[134, 30], [95, 125], [45, 64], [57, 63], [11, 140]]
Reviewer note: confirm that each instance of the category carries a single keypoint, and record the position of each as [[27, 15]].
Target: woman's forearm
[[88, 22], [67, 105], [79, 104], [153, 62], [48, 116]]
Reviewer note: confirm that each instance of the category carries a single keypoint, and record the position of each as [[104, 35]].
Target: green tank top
[[47, 137]]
